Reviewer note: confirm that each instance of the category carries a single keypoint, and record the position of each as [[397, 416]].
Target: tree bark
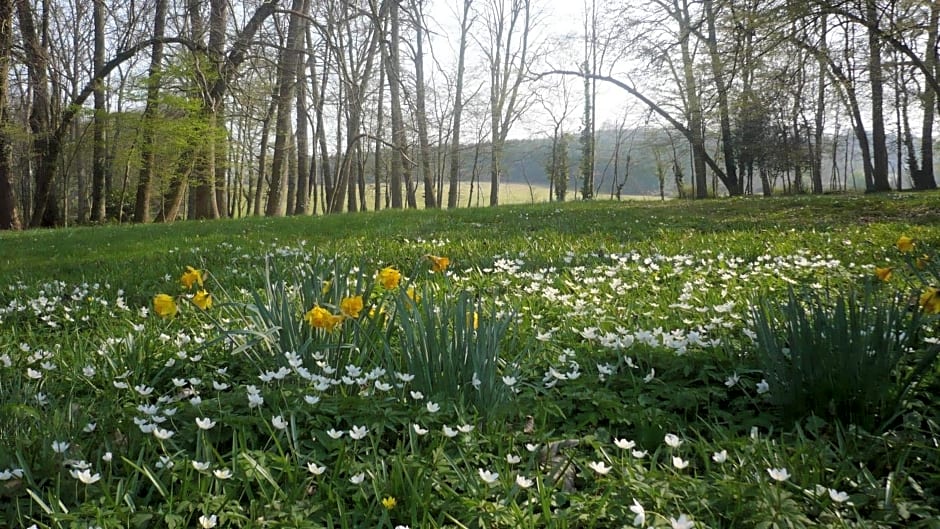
[[430, 200], [286, 81], [453, 187], [876, 75], [147, 147], [98, 199], [9, 215]]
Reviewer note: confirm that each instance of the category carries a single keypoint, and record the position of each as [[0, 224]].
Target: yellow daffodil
[[475, 319], [326, 288], [389, 503], [389, 277], [930, 300], [320, 318], [438, 264], [883, 274], [905, 244], [351, 306], [413, 294], [164, 305], [191, 277], [922, 261], [203, 300]]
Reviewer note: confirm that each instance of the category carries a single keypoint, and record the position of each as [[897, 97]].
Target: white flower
[[509, 381], [334, 434], [219, 386], [779, 474], [6, 475], [255, 400], [476, 381], [88, 371], [59, 446], [763, 387], [523, 481], [679, 463], [279, 422], [200, 465], [417, 395], [465, 428], [720, 457], [640, 512], [90, 427], [208, 522], [531, 447], [358, 432], [732, 380], [382, 386], [649, 377], [164, 462], [599, 467], [314, 469], [639, 454], [85, 476], [433, 407], [673, 440], [222, 473], [107, 457], [205, 423], [162, 434], [624, 444], [419, 430], [838, 496], [143, 390], [311, 399], [449, 432], [358, 478], [487, 476], [512, 459], [682, 523]]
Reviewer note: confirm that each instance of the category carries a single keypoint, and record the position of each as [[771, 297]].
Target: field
[[725, 363]]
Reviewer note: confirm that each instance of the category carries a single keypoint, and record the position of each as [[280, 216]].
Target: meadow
[[724, 363]]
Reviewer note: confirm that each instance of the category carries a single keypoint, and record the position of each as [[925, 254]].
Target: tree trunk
[[454, 178], [98, 199], [724, 113], [393, 66], [694, 110], [924, 179], [301, 126], [9, 215], [286, 76], [147, 154], [876, 74], [430, 201]]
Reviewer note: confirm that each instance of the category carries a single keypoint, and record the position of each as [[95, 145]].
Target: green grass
[[600, 326]]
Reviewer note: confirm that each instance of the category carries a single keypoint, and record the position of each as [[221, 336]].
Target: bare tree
[[9, 216]]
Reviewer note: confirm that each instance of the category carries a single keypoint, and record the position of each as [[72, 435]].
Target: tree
[[508, 24], [147, 147], [9, 216], [453, 181]]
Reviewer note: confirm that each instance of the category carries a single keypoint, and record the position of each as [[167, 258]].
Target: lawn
[[725, 363]]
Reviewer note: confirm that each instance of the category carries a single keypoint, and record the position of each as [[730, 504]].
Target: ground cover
[[570, 365]]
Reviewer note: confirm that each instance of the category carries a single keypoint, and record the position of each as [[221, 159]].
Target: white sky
[[558, 18]]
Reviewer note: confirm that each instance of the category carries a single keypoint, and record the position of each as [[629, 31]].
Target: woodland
[[160, 110]]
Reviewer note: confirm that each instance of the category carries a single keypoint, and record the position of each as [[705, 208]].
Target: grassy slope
[[121, 253]]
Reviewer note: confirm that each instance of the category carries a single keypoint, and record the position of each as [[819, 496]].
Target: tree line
[[155, 110]]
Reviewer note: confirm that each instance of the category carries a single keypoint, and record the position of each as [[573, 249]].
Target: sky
[[558, 19]]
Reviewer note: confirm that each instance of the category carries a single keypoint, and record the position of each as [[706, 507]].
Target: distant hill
[[524, 162]]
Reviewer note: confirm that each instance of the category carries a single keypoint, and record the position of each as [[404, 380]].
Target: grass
[[618, 335]]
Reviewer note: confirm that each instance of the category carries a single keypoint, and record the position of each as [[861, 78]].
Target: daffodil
[[883, 274], [191, 277], [203, 300], [930, 300], [922, 261], [320, 318], [905, 244], [438, 264], [413, 294], [164, 305], [351, 306], [389, 277]]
